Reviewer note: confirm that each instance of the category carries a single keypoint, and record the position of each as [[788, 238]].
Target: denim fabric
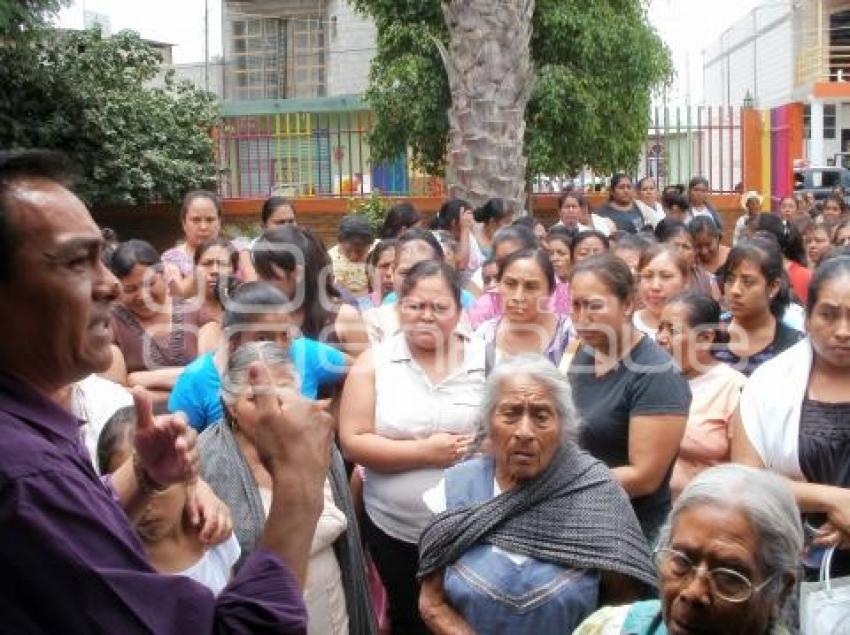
[[494, 593]]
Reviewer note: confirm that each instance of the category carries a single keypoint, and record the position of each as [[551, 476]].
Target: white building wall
[[754, 55], [743, 73], [775, 68], [197, 74], [352, 43], [714, 83], [830, 148], [729, 66]]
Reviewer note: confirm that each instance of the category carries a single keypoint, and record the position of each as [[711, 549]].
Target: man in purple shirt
[[71, 561]]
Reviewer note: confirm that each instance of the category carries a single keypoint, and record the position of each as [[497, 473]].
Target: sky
[[687, 26], [178, 22]]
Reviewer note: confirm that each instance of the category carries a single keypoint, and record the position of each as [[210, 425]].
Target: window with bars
[[830, 120], [278, 58]]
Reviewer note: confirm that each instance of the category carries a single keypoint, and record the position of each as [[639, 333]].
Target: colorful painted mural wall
[[773, 142]]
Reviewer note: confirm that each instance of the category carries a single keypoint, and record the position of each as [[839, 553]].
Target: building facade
[[790, 58], [293, 77], [294, 49]]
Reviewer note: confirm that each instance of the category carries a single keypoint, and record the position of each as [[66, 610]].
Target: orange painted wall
[[831, 89], [752, 124]]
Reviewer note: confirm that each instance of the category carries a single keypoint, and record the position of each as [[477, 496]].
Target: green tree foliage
[[597, 64], [92, 97], [374, 208], [16, 15]]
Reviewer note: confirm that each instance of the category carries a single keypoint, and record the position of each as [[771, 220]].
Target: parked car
[[821, 181]]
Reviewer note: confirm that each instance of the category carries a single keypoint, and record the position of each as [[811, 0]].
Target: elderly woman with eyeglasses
[[409, 410], [727, 560], [534, 534]]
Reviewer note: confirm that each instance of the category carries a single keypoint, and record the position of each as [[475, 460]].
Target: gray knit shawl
[[574, 514], [227, 472]]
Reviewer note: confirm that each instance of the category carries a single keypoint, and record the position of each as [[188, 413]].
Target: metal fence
[[681, 143], [328, 155], [684, 142], [310, 154]]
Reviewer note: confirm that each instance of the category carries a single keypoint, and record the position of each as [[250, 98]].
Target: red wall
[[160, 225]]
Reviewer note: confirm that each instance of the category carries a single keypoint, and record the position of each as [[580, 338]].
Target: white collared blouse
[[409, 406]]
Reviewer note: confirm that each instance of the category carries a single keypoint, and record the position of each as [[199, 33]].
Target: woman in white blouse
[[409, 410], [647, 201]]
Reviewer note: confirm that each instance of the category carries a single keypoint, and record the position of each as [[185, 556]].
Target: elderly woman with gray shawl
[[335, 589], [535, 534]]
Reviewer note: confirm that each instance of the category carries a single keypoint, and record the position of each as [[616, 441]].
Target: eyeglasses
[[438, 309], [723, 583]]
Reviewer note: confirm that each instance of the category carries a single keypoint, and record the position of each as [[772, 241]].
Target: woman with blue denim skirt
[[534, 534]]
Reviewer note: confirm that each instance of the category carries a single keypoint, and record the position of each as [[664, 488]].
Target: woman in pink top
[[688, 328], [509, 240], [200, 217], [505, 242]]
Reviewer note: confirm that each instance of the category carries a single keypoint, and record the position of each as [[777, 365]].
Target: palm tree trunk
[[490, 75]]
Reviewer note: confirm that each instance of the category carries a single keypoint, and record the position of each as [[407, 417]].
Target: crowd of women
[[614, 424]]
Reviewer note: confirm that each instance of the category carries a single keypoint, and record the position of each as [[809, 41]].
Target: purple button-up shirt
[[71, 562]]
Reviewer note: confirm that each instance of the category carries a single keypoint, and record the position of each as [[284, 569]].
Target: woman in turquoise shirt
[[256, 311]]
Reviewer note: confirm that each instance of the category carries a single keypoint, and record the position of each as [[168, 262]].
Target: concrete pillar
[[816, 155]]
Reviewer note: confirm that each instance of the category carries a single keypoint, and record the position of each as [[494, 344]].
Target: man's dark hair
[[23, 164]]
